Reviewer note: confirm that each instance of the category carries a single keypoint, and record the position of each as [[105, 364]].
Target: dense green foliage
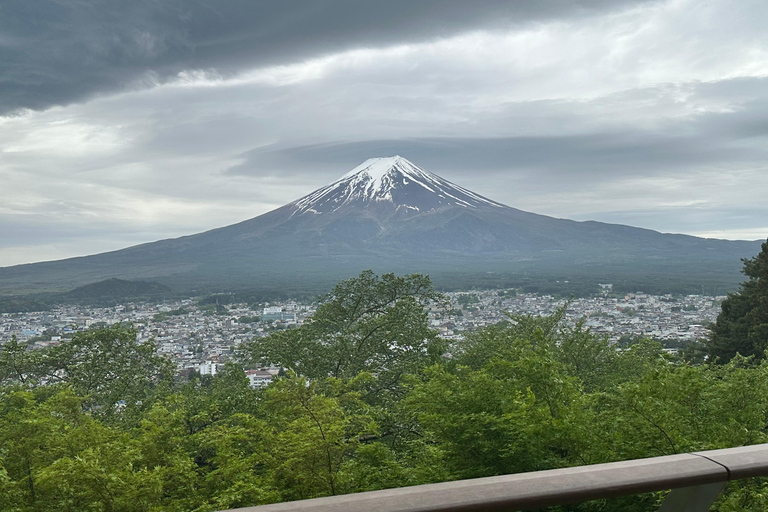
[[367, 324], [107, 368], [367, 402], [742, 326]]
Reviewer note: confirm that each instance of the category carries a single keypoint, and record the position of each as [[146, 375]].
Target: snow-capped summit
[[391, 183]]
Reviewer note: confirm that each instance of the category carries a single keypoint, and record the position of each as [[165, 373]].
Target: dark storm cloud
[[53, 52]]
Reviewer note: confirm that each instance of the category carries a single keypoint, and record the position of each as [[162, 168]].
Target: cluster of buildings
[[672, 320], [202, 338]]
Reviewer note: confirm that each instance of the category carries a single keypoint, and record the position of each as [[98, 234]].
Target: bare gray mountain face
[[390, 215]]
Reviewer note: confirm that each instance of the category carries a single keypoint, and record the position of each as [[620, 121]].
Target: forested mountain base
[[371, 398]]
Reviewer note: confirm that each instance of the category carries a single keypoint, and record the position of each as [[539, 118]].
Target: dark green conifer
[[742, 326]]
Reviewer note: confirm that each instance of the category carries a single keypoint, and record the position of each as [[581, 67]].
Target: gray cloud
[[733, 138], [694, 219], [55, 52], [602, 153]]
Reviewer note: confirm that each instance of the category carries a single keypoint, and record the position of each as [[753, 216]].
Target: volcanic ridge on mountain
[[389, 214]]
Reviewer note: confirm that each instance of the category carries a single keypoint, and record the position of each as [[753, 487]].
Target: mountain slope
[[390, 215]]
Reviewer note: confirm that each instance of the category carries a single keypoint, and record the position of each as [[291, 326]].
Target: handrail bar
[[539, 489]]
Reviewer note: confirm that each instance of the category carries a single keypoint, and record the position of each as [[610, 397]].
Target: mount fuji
[[390, 215]]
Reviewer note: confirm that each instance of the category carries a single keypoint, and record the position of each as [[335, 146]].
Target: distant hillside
[[117, 289], [108, 291], [22, 305]]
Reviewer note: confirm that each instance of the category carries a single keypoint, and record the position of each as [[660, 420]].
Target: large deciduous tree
[[742, 326], [17, 364], [107, 366], [366, 324]]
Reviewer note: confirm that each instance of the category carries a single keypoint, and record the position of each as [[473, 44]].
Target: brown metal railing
[[696, 479]]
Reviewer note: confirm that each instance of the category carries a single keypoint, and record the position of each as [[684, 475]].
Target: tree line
[[371, 398]]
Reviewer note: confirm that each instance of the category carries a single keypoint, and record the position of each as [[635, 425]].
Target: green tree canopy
[[742, 325], [17, 364], [107, 365], [531, 393], [366, 324]]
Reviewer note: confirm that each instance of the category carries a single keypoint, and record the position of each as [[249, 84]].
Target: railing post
[[698, 498]]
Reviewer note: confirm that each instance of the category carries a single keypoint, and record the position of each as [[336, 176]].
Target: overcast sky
[[128, 122]]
